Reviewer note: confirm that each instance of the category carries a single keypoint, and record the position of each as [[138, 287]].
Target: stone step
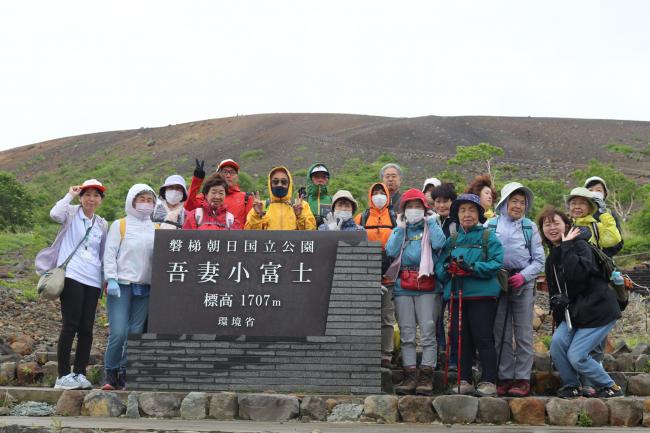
[[543, 383], [382, 409]]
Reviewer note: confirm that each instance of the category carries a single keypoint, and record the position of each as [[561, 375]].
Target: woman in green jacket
[[468, 268]]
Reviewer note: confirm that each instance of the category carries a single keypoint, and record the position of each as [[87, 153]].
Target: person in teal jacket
[[470, 260], [414, 245]]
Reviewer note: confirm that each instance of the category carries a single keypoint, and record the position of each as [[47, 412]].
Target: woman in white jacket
[[82, 237], [127, 269]]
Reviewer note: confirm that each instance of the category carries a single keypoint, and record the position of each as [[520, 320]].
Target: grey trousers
[[387, 323], [516, 363], [421, 310]]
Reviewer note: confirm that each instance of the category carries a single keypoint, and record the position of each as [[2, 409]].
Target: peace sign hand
[[258, 204], [297, 205]]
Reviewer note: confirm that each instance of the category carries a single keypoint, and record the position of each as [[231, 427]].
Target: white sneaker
[[83, 382], [67, 382]]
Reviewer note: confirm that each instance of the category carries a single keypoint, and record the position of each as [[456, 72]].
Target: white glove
[[332, 223], [401, 221], [602, 206], [383, 290], [432, 217]]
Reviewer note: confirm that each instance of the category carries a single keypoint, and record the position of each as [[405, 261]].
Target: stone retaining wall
[[447, 409], [344, 360]]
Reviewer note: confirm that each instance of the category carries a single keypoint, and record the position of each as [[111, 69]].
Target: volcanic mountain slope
[[538, 145]]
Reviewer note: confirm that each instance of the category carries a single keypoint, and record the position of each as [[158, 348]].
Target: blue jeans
[[126, 315], [571, 354]]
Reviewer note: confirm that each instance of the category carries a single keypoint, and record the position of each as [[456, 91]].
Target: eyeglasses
[[228, 172], [280, 182]]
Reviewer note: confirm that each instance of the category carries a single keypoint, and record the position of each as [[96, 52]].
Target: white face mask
[[414, 216], [598, 194], [173, 196], [379, 200], [144, 210], [343, 215]]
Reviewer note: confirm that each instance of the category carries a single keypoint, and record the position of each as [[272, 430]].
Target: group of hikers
[[467, 255]]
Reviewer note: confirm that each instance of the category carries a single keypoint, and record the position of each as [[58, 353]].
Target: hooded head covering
[[595, 179], [412, 194], [584, 193], [508, 190], [290, 186], [138, 188], [371, 205], [467, 198], [433, 181], [347, 195], [174, 179]]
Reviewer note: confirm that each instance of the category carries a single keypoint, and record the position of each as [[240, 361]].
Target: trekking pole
[[459, 350], [503, 332], [450, 317]]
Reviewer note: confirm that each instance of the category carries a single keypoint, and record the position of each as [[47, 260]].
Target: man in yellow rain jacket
[[280, 212], [604, 233]]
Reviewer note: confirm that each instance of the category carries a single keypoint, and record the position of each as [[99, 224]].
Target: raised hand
[[573, 233], [401, 221], [198, 170], [74, 191], [258, 204], [330, 220], [297, 205]]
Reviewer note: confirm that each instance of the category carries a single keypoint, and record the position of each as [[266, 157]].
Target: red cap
[[93, 183], [412, 194], [226, 163]]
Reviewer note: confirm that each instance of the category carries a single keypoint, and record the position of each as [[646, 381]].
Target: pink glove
[[516, 281]]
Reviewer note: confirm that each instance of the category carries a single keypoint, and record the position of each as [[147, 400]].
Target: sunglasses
[[279, 182], [228, 172]]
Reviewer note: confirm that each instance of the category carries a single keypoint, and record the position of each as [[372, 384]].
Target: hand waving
[[573, 233]]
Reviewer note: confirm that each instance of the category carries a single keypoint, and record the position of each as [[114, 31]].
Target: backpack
[[607, 267], [385, 260], [198, 218], [610, 251], [526, 227], [123, 228], [366, 214], [502, 274]]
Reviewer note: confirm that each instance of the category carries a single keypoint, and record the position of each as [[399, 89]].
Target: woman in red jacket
[[212, 214]]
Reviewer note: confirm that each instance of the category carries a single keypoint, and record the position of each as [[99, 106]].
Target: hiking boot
[[611, 391], [589, 391], [425, 381], [465, 388], [110, 383], [504, 386], [568, 391], [408, 385], [121, 380], [521, 388], [486, 389]]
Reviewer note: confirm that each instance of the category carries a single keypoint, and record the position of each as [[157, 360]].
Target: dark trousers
[[78, 306], [477, 335]]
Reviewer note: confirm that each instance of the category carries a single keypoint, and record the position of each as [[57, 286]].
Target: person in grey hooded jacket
[[524, 261]]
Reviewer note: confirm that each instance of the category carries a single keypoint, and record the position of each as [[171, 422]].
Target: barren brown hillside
[[423, 144]]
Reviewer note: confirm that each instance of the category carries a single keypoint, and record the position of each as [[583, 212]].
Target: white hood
[[135, 190], [502, 207]]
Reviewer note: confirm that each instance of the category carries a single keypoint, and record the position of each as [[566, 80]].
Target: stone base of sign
[[345, 360]]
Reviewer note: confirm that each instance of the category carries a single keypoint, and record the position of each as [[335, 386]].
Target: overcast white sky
[[74, 67]]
